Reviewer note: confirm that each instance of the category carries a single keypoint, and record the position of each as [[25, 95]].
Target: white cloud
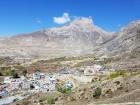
[[62, 20]]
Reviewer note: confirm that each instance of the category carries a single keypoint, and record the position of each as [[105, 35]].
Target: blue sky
[[23, 16]]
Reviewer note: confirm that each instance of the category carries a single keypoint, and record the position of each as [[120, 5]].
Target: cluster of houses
[[36, 82], [44, 82]]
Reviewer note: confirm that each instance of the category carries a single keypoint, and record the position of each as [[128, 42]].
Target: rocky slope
[[125, 41], [120, 90], [80, 37]]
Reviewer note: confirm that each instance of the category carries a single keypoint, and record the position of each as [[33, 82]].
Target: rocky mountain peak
[[85, 23], [82, 21], [78, 25], [131, 26]]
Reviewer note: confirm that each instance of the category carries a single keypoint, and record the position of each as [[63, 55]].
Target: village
[[38, 82]]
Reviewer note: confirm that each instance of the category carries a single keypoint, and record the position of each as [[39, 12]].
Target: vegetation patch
[[63, 89], [117, 82], [97, 93], [50, 100], [117, 74], [14, 74]]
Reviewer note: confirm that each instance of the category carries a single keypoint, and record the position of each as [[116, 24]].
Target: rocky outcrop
[[92, 70], [125, 41]]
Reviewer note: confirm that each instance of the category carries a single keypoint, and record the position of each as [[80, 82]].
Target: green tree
[[97, 92], [1, 74], [14, 74], [24, 72]]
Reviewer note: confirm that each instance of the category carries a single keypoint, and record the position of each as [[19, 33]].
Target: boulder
[[92, 70]]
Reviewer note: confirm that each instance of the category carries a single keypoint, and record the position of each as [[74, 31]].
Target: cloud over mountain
[[63, 19]]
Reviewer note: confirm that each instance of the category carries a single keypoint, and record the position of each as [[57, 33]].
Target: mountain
[[76, 38], [79, 37], [125, 41]]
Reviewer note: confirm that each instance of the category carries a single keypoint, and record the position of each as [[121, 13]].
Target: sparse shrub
[[95, 79], [51, 101], [67, 90], [120, 88], [117, 82], [117, 74], [1, 74], [133, 81], [97, 93], [14, 74], [108, 91], [7, 72], [134, 73], [40, 100], [24, 72], [19, 67], [63, 89], [94, 58], [15, 100], [127, 83], [59, 88], [127, 90], [0, 97]]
